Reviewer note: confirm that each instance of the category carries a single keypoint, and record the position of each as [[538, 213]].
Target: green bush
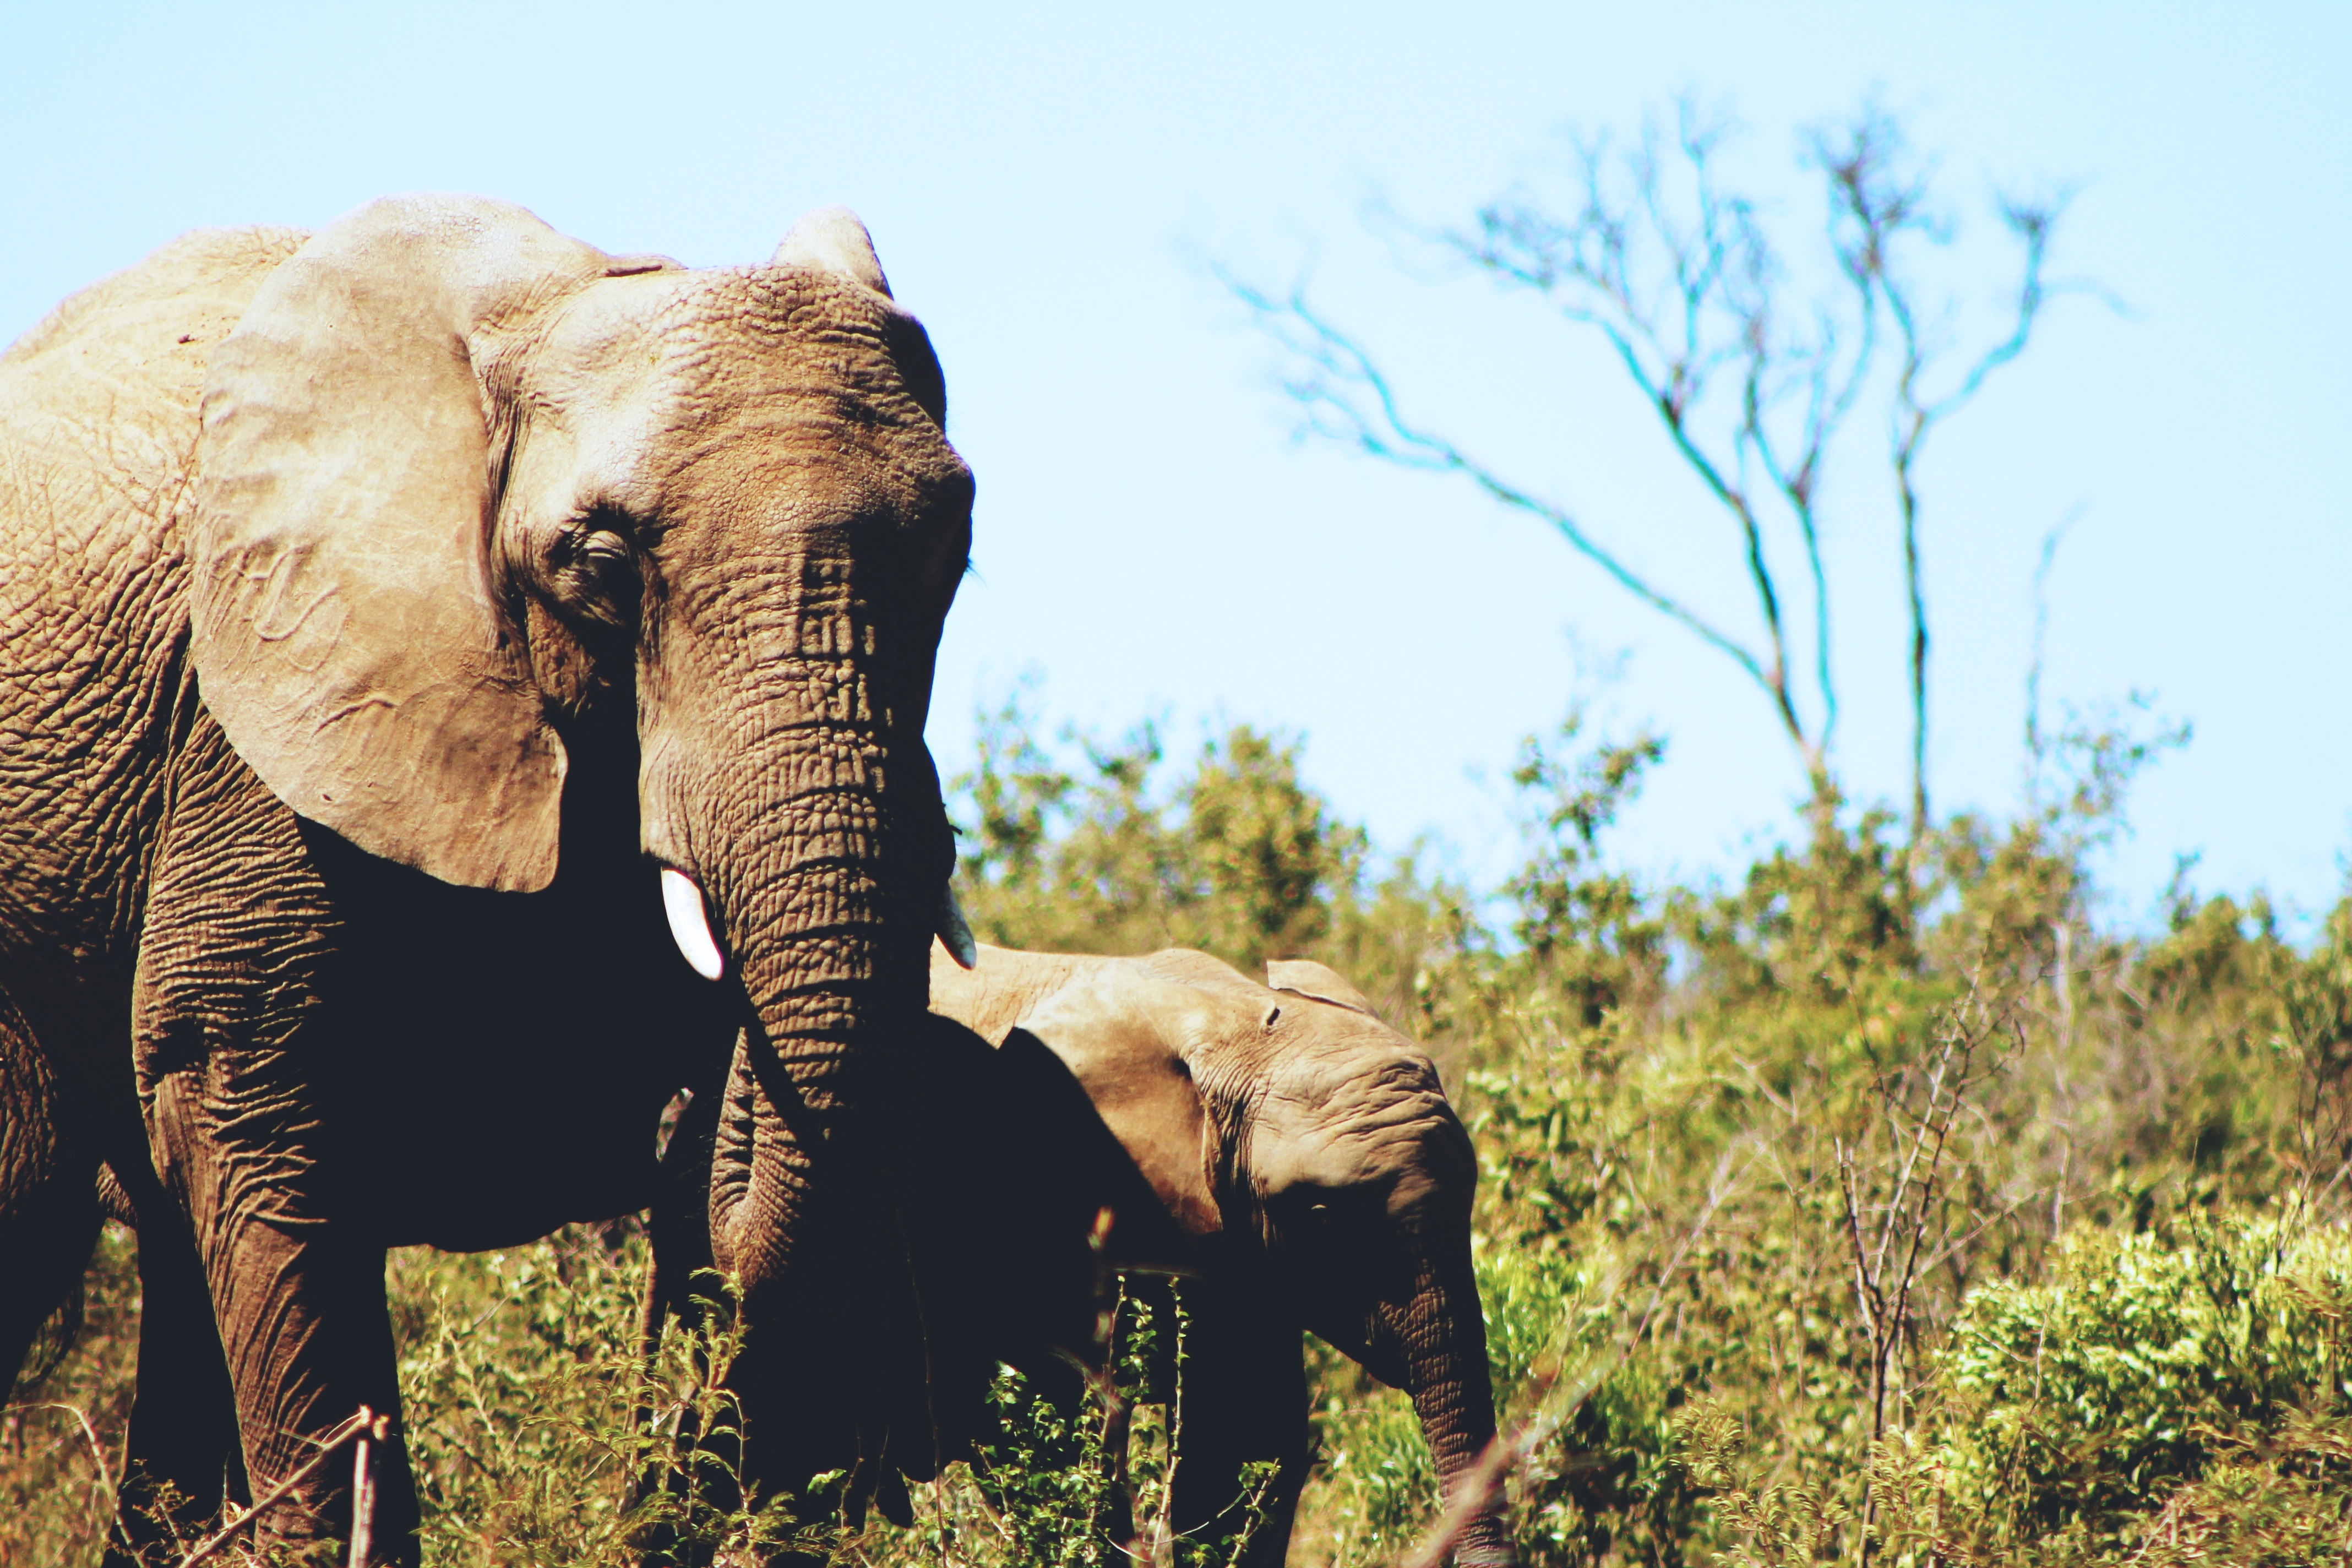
[[2143, 1385], [55, 1494], [533, 1418], [1078, 1488]]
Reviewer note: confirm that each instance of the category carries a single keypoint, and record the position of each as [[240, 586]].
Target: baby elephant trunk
[[1443, 1335]]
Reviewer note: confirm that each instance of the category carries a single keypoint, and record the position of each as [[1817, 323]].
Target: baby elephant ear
[[344, 625], [1124, 1037], [1308, 978], [831, 240]]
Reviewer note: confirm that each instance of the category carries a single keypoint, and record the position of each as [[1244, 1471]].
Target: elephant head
[[1357, 1177], [1295, 1139], [482, 507]]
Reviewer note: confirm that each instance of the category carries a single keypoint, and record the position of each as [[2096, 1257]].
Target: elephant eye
[[591, 572], [603, 553]]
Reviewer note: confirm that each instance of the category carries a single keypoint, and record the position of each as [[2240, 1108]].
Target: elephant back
[[110, 378]]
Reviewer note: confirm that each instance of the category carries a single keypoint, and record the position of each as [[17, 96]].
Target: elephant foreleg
[[182, 1456], [678, 1223], [235, 1042], [302, 1329], [1241, 1399], [679, 1226]]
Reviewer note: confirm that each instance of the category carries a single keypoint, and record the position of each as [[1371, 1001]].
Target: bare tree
[[1754, 366]]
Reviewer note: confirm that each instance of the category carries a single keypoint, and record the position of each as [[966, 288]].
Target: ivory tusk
[[953, 932], [689, 924]]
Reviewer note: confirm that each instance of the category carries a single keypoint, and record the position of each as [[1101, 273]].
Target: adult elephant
[[395, 617], [1289, 1155]]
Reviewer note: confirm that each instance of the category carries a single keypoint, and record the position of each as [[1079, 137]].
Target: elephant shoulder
[[1002, 985]]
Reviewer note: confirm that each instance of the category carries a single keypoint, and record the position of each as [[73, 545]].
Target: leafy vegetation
[[1882, 1205]]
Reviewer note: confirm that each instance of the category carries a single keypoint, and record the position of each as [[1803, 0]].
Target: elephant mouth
[[688, 909]]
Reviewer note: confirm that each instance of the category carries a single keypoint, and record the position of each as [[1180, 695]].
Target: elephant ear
[[345, 628], [833, 239], [1305, 977], [1124, 1036]]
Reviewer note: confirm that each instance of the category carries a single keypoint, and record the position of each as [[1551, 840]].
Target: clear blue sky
[[1040, 182]]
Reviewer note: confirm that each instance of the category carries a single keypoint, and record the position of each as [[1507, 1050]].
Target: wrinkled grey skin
[[1289, 1154], [383, 610]]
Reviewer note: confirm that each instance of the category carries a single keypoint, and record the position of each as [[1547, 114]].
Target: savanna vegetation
[[1880, 1204]]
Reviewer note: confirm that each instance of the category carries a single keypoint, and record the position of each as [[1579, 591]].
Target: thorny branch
[[88, 1436], [362, 1424]]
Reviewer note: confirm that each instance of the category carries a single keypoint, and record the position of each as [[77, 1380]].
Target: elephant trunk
[[832, 953], [819, 848], [1440, 1336], [785, 780]]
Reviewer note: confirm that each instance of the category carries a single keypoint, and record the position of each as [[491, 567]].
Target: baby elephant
[[1304, 1170], [1277, 1146]]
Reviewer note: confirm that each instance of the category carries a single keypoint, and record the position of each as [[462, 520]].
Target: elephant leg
[[234, 1040], [302, 1330], [180, 1459], [679, 1222], [49, 1199], [1241, 1399]]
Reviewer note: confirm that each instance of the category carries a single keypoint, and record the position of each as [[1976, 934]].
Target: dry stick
[[364, 1488], [97, 1451], [1503, 1457], [359, 1421]]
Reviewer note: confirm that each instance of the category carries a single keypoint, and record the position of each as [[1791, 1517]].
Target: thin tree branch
[[359, 1421], [1389, 438], [1681, 279], [97, 1449]]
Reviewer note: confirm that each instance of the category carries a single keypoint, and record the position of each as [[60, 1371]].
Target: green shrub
[[60, 1443], [2143, 1388], [533, 1418]]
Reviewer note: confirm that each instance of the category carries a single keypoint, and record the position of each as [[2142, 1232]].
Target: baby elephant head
[[1347, 1165]]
